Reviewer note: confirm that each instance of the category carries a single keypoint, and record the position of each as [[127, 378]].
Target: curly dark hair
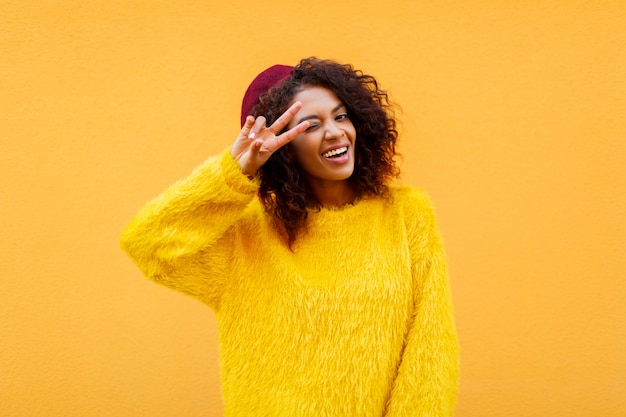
[[283, 190]]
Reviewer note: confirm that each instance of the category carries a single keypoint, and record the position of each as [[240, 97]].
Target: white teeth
[[335, 152]]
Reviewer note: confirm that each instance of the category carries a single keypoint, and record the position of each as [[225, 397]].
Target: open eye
[[342, 116]]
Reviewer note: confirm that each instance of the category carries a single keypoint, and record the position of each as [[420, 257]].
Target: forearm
[[184, 230], [427, 380]]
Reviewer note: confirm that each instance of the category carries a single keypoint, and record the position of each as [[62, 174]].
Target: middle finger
[[285, 118]]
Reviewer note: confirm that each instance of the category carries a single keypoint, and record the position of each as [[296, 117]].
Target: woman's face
[[325, 151]]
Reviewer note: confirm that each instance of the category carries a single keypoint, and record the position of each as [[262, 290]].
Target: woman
[[329, 283]]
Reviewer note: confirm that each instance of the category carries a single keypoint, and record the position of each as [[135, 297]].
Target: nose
[[332, 131]]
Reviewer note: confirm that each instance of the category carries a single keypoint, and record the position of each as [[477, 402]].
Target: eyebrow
[[315, 116]]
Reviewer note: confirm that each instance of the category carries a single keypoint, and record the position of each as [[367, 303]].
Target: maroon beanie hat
[[269, 78]]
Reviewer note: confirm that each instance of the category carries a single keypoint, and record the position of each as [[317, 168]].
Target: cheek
[[302, 149], [352, 131]]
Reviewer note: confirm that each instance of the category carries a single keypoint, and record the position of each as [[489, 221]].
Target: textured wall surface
[[513, 119]]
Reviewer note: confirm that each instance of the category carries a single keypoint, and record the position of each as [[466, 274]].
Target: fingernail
[[251, 135]]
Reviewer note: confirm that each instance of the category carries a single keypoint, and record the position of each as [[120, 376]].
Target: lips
[[333, 153]]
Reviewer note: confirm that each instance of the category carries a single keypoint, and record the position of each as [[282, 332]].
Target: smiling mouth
[[335, 153]]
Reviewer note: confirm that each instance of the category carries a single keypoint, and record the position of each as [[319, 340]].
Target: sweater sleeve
[[427, 380], [183, 239]]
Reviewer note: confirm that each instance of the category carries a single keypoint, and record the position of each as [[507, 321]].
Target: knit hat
[[269, 78]]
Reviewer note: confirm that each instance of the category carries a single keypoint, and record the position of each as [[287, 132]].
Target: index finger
[[292, 133], [285, 118]]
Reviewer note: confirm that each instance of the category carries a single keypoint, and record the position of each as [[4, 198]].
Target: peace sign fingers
[[256, 142]]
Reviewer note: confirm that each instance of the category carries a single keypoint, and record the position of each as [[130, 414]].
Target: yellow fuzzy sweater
[[356, 321]]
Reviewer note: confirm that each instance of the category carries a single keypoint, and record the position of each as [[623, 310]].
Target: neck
[[333, 193]]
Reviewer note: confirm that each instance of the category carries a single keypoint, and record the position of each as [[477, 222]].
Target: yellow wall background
[[513, 118]]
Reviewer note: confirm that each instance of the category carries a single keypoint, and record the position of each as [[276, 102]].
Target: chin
[[344, 176]]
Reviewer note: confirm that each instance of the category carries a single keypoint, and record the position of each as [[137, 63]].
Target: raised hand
[[257, 142]]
